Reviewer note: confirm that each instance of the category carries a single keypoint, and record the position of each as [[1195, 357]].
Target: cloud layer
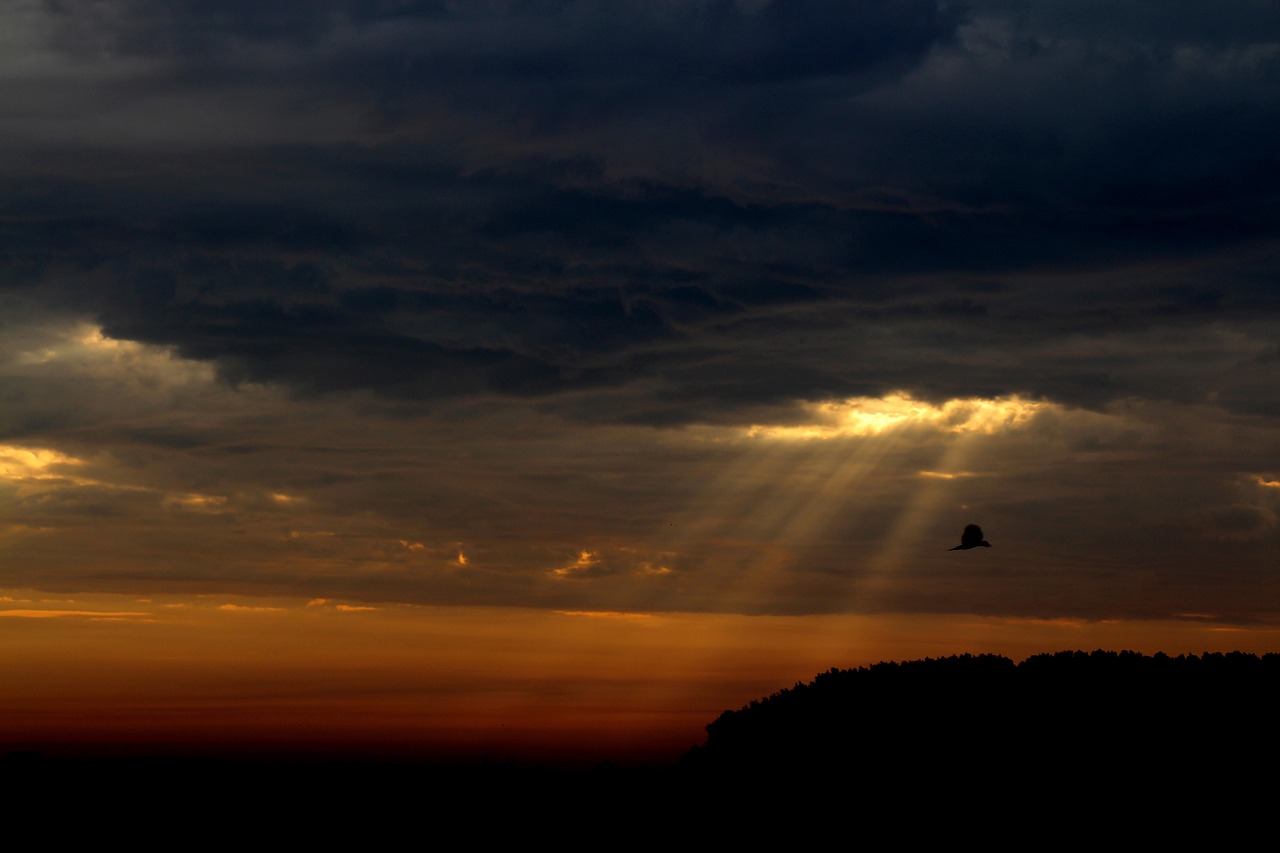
[[302, 287]]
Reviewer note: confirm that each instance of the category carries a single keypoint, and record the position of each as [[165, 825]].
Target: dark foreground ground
[[1075, 748], [157, 802]]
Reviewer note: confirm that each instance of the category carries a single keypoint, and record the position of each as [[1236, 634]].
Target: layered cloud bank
[[632, 306]]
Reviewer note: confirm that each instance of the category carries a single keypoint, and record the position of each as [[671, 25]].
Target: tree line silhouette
[[1119, 718]]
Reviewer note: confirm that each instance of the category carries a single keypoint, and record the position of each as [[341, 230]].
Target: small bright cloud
[[35, 463], [585, 561], [93, 615], [868, 416], [193, 500]]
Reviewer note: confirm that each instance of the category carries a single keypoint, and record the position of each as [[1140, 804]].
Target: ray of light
[[912, 520], [801, 516], [848, 446]]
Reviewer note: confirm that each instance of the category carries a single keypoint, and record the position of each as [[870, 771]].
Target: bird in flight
[[971, 538]]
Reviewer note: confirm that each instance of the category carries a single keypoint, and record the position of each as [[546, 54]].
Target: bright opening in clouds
[[22, 463], [866, 416]]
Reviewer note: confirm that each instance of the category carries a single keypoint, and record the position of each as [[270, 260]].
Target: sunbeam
[[827, 482]]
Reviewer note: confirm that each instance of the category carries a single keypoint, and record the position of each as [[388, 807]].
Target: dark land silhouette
[[1070, 744], [1115, 717]]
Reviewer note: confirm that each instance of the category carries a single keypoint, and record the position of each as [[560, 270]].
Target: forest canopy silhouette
[[1125, 713]]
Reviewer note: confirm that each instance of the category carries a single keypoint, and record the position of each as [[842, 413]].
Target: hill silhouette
[[1119, 719]]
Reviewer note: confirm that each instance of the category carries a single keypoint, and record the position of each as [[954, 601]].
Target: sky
[[517, 376]]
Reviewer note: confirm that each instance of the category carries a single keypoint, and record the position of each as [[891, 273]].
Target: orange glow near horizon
[[110, 672]]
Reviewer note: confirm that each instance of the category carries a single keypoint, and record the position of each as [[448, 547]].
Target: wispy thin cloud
[[76, 614]]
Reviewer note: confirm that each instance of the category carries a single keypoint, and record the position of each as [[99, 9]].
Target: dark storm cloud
[[714, 204], [714, 40]]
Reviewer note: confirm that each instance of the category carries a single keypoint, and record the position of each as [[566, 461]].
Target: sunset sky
[[531, 377]]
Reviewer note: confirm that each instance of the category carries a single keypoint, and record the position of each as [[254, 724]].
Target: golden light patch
[[84, 346], [193, 500], [38, 470], [870, 416], [603, 614], [353, 608], [586, 559], [946, 475], [35, 463], [92, 337], [1267, 484]]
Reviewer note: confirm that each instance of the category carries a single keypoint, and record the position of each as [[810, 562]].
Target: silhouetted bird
[[971, 538]]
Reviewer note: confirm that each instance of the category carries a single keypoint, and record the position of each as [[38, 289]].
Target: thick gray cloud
[[427, 199]]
